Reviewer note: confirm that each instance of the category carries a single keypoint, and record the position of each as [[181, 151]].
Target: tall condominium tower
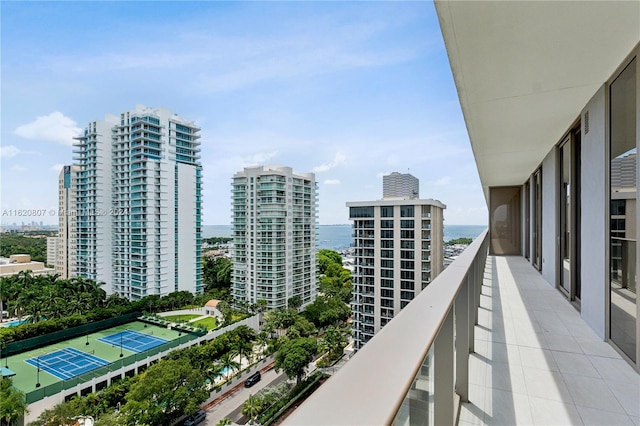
[[139, 203], [398, 251], [65, 247], [400, 185], [274, 214]]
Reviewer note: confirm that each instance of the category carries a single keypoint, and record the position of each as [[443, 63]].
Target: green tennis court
[[26, 373]]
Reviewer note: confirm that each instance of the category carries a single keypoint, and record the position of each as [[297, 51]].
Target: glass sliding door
[[527, 220], [536, 187], [505, 220], [623, 221], [569, 215]]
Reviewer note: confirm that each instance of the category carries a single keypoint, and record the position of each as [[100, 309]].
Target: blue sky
[[348, 90]]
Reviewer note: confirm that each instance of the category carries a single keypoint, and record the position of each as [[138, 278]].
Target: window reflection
[[623, 237]]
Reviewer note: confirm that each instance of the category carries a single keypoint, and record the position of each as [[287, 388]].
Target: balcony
[[517, 353]]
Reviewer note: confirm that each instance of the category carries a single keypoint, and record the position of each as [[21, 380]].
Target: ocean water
[[336, 237]]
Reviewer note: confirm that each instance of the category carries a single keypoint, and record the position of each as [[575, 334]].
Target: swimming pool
[[13, 323]]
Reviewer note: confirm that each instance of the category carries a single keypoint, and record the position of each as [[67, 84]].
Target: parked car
[[196, 418], [252, 379]]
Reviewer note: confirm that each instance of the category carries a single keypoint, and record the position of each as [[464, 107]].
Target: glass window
[[361, 212], [406, 211], [386, 211], [386, 224], [623, 169], [407, 223]]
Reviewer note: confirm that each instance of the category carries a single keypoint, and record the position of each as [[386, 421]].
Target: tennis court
[[133, 341], [67, 363]]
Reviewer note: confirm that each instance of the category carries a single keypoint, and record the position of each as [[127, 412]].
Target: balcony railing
[[408, 368]]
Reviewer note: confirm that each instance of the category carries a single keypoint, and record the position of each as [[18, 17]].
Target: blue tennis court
[[133, 341], [67, 363]]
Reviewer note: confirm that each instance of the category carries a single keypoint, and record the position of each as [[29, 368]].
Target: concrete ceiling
[[525, 69]]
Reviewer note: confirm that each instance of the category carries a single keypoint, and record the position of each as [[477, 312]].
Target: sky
[[348, 90]]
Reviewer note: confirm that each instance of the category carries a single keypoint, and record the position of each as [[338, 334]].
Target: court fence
[[31, 343], [117, 369], [115, 366]]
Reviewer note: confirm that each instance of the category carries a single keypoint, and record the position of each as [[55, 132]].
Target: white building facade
[[139, 203], [274, 212], [65, 249], [398, 251]]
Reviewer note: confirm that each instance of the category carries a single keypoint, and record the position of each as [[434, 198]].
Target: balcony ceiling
[[525, 69]]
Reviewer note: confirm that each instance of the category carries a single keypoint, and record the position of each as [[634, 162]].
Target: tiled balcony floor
[[537, 362]]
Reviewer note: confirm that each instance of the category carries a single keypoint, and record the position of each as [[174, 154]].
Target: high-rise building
[[52, 250], [65, 249], [274, 212], [398, 251], [400, 185], [139, 203]]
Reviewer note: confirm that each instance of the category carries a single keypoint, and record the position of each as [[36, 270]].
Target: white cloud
[[258, 159], [338, 160], [54, 127], [57, 167], [9, 151], [18, 168], [332, 182]]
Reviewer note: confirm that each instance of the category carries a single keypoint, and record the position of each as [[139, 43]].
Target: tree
[[228, 363], [326, 257], [167, 391], [325, 311], [216, 273], [251, 408], [295, 302], [334, 340], [13, 404], [225, 421], [294, 356]]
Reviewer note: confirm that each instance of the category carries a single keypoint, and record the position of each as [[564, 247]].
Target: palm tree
[[244, 349], [227, 362], [13, 404], [263, 341], [212, 371], [251, 408]]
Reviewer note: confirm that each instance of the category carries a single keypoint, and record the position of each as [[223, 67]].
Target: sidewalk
[[222, 404]]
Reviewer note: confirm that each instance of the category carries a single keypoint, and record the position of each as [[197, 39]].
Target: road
[[231, 407]]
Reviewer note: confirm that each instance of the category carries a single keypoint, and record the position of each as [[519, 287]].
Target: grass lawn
[[186, 317], [237, 316], [209, 322]]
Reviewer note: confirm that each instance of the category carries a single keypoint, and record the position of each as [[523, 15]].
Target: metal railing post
[[443, 373], [462, 342]]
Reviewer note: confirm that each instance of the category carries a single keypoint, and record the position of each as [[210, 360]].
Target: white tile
[[533, 340], [592, 393], [502, 352], [505, 377], [507, 408], [471, 414], [596, 347], [615, 370], [547, 412], [551, 324], [541, 359], [575, 364], [477, 370], [558, 342], [596, 417], [628, 395], [546, 384]]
